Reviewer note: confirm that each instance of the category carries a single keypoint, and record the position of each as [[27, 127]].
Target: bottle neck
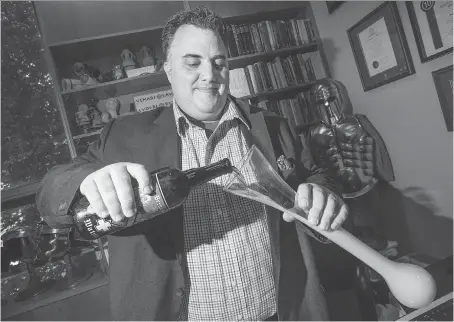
[[202, 175]]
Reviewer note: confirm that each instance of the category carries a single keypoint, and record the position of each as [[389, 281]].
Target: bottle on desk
[[171, 187]]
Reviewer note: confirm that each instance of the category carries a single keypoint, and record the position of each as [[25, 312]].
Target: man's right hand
[[110, 192]]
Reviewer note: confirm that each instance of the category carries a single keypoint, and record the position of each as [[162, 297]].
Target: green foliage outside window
[[33, 138]]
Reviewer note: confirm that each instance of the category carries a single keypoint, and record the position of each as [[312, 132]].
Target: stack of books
[[297, 110], [244, 39], [281, 72]]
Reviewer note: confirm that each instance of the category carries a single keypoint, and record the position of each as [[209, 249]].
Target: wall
[[407, 114]]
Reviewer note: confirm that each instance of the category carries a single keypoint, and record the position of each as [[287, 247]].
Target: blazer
[[145, 275]]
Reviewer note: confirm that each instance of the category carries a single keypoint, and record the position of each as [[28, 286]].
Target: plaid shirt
[[227, 257]]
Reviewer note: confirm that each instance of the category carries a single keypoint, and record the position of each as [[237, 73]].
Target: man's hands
[[109, 190], [324, 208]]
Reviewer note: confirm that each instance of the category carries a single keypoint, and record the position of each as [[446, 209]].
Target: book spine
[[256, 37], [248, 39], [276, 74], [242, 38], [303, 69], [303, 31], [289, 32], [281, 70], [291, 70], [264, 36], [237, 40], [254, 83], [271, 34], [266, 77], [310, 30], [244, 86], [249, 81], [258, 77], [231, 44], [271, 73], [310, 68], [297, 68], [296, 32]]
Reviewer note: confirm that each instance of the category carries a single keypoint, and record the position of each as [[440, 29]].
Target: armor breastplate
[[348, 151]]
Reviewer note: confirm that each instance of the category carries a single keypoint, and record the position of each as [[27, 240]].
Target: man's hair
[[202, 17]]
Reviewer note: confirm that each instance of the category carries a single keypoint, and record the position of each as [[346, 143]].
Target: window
[[33, 137]]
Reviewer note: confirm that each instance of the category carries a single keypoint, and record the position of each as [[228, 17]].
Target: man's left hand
[[324, 209]]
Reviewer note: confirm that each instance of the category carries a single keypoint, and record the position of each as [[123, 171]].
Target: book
[[303, 32], [249, 80], [264, 36], [272, 76], [271, 34], [266, 76], [258, 78], [230, 39], [253, 80], [238, 43]]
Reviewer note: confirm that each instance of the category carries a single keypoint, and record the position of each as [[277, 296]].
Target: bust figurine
[[128, 60]]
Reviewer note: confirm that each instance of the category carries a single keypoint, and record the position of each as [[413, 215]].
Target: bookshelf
[[276, 56]]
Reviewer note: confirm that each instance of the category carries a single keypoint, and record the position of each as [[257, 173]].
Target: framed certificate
[[432, 26], [443, 84], [380, 47]]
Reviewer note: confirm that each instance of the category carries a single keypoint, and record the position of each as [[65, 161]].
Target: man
[[219, 257]]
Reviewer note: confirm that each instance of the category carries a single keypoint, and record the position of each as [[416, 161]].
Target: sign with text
[[152, 101]]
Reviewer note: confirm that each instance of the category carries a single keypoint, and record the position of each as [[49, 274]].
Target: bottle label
[[151, 206]]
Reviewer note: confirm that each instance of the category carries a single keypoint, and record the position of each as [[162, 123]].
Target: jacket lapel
[[162, 133]]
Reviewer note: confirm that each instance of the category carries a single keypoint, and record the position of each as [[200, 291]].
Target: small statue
[[128, 59], [87, 74], [83, 119], [146, 57], [117, 72], [105, 117], [113, 107]]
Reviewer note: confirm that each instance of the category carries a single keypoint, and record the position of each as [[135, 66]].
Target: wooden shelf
[[101, 37], [119, 87], [295, 88], [86, 135], [245, 60]]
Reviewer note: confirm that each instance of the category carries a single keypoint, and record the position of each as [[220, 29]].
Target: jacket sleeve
[[60, 185]]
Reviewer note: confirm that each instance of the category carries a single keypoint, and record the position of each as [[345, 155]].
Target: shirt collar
[[231, 112]]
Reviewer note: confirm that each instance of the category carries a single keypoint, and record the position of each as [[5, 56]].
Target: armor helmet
[[331, 100]]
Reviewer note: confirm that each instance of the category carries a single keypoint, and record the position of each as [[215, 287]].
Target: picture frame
[[333, 5], [431, 22], [443, 84], [380, 48]]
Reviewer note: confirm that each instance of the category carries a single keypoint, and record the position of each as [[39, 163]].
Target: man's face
[[198, 71]]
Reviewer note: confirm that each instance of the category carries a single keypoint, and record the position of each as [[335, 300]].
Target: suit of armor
[[352, 149]]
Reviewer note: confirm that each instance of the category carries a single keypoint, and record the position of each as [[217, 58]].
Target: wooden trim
[[94, 38], [243, 60], [319, 42], [19, 192], [280, 90]]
